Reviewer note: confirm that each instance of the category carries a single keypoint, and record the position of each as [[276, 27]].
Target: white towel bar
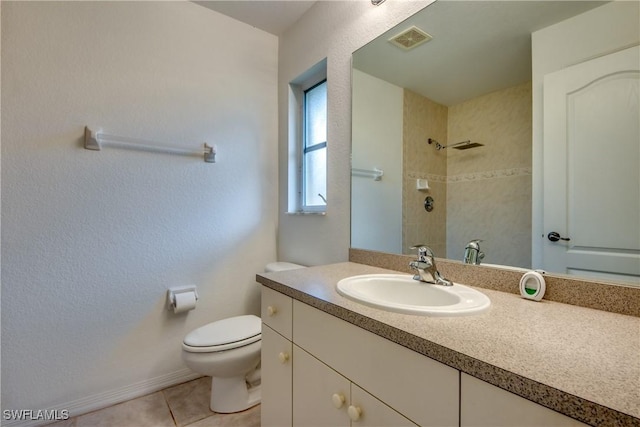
[[93, 140], [376, 173]]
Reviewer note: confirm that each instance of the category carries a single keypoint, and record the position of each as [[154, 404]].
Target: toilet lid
[[281, 266], [226, 331]]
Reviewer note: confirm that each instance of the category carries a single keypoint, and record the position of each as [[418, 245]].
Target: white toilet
[[228, 351]]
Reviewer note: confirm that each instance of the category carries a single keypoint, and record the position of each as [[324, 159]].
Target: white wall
[[91, 240], [600, 31], [332, 30], [376, 142]]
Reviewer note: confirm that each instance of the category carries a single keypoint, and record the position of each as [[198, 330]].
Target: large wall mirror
[[447, 137]]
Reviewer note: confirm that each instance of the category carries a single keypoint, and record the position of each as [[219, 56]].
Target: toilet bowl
[[228, 351]]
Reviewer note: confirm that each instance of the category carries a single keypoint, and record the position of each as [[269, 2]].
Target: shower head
[[466, 145], [458, 146]]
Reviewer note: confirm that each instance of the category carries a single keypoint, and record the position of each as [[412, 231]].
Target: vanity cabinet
[[318, 370], [421, 389], [276, 366], [316, 386], [276, 372], [309, 356], [323, 397], [277, 312], [483, 404], [373, 412]]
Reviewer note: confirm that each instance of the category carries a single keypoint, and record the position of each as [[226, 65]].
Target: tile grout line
[[166, 401]]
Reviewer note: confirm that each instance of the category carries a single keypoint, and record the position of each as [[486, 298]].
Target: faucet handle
[[423, 250], [472, 252], [475, 243]]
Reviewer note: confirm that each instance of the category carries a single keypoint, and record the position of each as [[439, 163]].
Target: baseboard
[[102, 400]]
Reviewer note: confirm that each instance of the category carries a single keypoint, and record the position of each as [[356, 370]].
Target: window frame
[[313, 77], [305, 149]]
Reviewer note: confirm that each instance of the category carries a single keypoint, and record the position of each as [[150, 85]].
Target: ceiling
[[274, 17], [477, 47]]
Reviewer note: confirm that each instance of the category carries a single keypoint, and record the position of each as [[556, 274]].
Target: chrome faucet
[[425, 267], [472, 253]]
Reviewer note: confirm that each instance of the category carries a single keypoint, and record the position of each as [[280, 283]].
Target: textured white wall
[[332, 30], [376, 142], [91, 240]]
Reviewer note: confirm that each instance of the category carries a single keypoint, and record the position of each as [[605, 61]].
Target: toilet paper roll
[[532, 285], [184, 301]]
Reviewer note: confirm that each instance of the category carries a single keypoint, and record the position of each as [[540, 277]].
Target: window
[[307, 136], [314, 148]]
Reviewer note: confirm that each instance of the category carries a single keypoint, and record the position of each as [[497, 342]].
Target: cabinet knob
[[284, 357], [271, 310], [338, 400], [354, 412]]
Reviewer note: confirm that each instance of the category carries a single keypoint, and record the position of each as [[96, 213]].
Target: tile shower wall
[[489, 187], [482, 193], [423, 119]]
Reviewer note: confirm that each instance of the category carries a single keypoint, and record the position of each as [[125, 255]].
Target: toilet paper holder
[[172, 292]]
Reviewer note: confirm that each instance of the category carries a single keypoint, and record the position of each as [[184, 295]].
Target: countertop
[[581, 362]]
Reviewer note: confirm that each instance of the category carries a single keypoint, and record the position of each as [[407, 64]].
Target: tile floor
[[178, 406]]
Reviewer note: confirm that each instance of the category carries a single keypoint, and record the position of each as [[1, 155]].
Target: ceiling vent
[[410, 38]]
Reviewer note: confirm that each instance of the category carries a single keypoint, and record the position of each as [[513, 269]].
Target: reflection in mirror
[[470, 80]]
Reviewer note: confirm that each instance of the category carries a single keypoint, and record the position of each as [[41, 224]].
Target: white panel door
[[592, 168]]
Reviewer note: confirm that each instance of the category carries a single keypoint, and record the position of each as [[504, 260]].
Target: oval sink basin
[[400, 293]]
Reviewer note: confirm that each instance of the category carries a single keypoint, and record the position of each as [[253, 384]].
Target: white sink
[[400, 293]]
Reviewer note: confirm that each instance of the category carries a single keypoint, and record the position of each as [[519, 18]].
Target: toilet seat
[[225, 334]]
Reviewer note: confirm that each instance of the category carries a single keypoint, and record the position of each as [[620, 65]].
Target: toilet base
[[233, 395]]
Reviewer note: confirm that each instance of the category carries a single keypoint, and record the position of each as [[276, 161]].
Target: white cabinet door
[[315, 387], [422, 389], [374, 413], [485, 405], [323, 398], [592, 168], [276, 362]]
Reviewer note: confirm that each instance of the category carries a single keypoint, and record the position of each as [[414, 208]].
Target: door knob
[[555, 236]]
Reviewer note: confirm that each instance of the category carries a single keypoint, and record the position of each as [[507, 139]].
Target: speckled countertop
[[582, 362]]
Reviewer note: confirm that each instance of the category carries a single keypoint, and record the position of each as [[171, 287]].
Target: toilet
[[228, 351]]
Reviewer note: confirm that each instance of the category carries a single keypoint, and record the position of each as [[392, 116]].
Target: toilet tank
[[281, 266]]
